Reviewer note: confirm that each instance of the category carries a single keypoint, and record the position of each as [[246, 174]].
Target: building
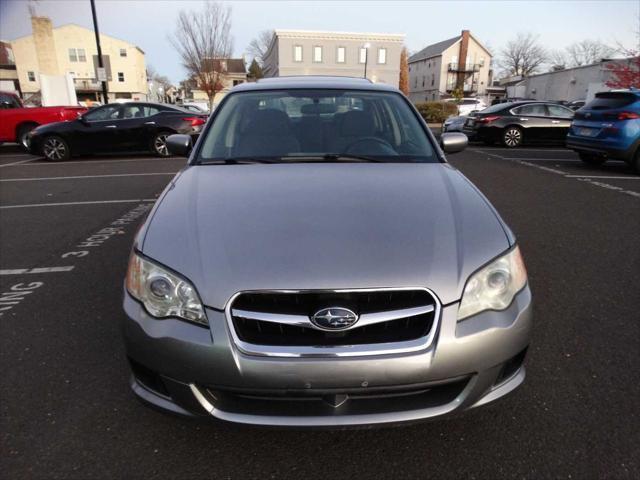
[[71, 49], [8, 73], [232, 72], [298, 52], [578, 83], [439, 69]]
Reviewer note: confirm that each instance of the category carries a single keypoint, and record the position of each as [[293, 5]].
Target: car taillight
[[489, 119], [195, 121], [628, 116]]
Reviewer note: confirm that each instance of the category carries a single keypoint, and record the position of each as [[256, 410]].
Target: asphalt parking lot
[[67, 412]]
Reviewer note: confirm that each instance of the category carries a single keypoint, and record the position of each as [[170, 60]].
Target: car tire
[[55, 148], [22, 135], [159, 144], [512, 137], [635, 163], [591, 159]]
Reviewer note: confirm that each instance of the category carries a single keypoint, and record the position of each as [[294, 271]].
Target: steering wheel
[[382, 145]]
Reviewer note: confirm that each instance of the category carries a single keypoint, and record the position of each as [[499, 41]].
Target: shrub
[[436, 112]]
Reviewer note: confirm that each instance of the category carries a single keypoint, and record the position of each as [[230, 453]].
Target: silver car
[[319, 263]]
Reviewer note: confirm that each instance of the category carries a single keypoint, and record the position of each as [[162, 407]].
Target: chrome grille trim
[[363, 320], [409, 346]]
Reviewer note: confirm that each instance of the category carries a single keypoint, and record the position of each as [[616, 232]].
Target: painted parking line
[[93, 162], [21, 162], [22, 271], [604, 177], [60, 204], [34, 179], [522, 150], [580, 178]]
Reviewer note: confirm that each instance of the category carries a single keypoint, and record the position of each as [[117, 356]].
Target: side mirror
[[453, 142], [179, 145]]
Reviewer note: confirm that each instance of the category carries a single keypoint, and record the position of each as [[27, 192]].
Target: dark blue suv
[[608, 127]]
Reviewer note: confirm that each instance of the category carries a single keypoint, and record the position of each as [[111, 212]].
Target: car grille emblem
[[334, 318]]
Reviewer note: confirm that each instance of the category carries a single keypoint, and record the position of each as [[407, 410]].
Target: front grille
[[336, 402], [249, 310]]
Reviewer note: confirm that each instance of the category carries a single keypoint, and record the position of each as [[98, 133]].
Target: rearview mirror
[[453, 142], [179, 145]]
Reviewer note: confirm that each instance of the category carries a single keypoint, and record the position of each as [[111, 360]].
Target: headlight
[[494, 286], [163, 293]]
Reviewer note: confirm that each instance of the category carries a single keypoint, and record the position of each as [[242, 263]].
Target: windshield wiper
[[332, 157], [239, 160]]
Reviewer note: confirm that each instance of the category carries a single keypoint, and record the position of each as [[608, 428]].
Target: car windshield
[[279, 126]]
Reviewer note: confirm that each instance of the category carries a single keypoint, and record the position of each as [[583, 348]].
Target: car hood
[[230, 228]]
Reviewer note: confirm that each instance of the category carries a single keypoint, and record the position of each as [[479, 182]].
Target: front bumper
[[190, 370]]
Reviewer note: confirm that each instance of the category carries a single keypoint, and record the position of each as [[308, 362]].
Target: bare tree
[[203, 41], [523, 55], [259, 46], [587, 52], [558, 60]]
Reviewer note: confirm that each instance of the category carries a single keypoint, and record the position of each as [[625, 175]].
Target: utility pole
[[366, 57], [105, 98]]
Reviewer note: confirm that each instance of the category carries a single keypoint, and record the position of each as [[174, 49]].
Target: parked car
[[516, 123], [576, 104], [194, 108], [456, 124], [116, 127], [201, 104], [468, 105], [16, 121], [608, 127], [319, 263]]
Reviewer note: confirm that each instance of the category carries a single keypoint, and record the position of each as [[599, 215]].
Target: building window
[[341, 55], [237, 82], [31, 76], [73, 56], [482, 61], [317, 54], [123, 52], [82, 56], [415, 82], [382, 55], [121, 76], [423, 79], [363, 55], [433, 78], [297, 53]]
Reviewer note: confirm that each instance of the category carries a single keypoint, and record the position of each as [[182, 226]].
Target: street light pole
[[366, 58], [105, 97]]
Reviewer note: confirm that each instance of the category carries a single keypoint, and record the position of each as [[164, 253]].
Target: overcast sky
[[147, 23]]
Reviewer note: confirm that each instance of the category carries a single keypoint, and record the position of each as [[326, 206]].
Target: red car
[[16, 121]]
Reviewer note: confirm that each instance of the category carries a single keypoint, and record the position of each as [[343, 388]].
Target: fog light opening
[[511, 367]]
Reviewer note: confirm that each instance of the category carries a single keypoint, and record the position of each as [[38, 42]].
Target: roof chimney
[[45, 45], [462, 58]]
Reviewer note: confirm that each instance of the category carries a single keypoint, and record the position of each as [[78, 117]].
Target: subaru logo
[[334, 318]]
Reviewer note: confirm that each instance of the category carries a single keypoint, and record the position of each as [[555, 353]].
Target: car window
[[469, 102], [108, 112], [611, 100], [535, 109], [297, 123], [559, 111], [139, 111], [9, 101]]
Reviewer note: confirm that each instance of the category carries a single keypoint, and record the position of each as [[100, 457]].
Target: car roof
[[313, 82]]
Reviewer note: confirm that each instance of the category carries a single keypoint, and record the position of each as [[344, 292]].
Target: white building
[[438, 69], [299, 52]]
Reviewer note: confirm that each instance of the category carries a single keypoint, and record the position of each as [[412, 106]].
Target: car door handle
[[555, 121], [110, 126], [523, 119], [149, 123]]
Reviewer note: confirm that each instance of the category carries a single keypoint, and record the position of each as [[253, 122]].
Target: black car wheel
[[159, 144], [55, 149], [22, 136], [512, 137], [635, 163], [591, 159]]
